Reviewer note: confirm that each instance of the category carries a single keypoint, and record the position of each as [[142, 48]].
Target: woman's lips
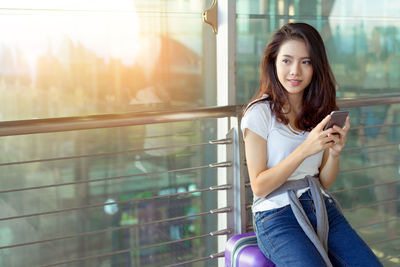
[[294, 82]]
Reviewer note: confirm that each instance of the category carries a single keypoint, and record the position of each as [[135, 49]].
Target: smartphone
[[338, 117]]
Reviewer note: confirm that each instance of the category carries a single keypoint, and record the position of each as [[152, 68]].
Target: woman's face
[[293, 66]]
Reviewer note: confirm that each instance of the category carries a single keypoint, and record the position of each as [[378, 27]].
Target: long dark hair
[[319, 97]]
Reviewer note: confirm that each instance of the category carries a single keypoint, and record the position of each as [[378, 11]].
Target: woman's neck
[[292, 109], [294, 106]]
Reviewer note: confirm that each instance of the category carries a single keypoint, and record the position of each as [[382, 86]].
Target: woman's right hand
[[318, 139]]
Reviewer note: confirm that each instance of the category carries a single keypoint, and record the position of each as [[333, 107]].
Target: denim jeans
[[282, 240]]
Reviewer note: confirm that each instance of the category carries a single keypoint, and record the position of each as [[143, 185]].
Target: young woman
[[292, 160]]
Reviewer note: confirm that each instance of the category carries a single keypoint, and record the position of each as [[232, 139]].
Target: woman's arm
[[263, 181], [330, 161], [328, 170]]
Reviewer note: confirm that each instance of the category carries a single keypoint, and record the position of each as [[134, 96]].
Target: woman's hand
[[318, 139], [339, 138], [330, 161]]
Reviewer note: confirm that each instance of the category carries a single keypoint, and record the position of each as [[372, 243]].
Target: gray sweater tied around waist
[[320, 237]]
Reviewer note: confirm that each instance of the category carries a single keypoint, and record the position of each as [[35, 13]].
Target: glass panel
[[79, 172], [71, 58], [362, 39], [370, 177], [74, 58]]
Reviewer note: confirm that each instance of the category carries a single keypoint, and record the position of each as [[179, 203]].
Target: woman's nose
[[295, 70]]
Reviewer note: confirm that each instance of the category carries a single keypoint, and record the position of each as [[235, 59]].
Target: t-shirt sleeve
[[257, 119]]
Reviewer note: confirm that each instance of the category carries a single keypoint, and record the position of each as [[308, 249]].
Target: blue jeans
[[282, 240]]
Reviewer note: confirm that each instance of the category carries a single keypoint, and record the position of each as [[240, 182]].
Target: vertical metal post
[[236, 196]]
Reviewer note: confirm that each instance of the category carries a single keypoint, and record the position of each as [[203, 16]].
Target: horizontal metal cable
[[103, 154], [212, 142], [370, 167], [368, 147], [10, 128], [364, 187], [212, 165], [376, 223], [221, 141], [216, 233], [86, 234], [371, 205], [374, 126], [212, 256], [368, 101], [379, 135], [220, 164], [211, 188], [383, 241], [388, 258]]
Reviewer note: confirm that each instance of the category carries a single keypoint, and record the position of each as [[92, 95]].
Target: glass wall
[[363, 45], [362, 38], [55, 188], [72, 58], [76, 58], [368, 185]]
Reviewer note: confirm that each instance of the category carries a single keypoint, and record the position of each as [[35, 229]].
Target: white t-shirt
[[281, 141]]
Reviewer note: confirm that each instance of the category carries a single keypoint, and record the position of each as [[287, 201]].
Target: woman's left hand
[[339, 139]]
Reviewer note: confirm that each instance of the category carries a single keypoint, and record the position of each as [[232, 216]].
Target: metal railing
[[237, 178], [28, 127], [34, 126], [11, 128]]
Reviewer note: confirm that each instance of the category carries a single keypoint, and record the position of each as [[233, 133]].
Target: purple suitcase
[[242, 251]]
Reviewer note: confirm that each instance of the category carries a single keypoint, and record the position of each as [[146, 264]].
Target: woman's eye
[[285, 60], [308, 62]]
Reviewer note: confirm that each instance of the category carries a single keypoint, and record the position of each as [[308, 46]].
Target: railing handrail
[[368, 101], [33, 126]]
